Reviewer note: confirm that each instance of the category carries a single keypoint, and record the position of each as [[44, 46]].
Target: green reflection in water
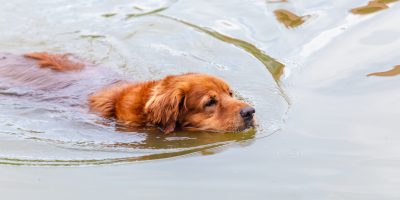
[[109, 15], [184, 143], [37, 162], [393, 72], [386, 1], [92, 36], [372, 6], [157, 10], [289, 19], [273, 66], [277, 1], [128, 16], [156, 140]]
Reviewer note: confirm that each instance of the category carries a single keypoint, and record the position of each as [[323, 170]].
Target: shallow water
[[326, 129]]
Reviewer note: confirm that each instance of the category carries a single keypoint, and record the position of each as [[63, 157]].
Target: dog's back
[[23, 76]]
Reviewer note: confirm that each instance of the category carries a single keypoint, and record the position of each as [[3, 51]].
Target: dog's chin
[[246, 126], [251, 124]]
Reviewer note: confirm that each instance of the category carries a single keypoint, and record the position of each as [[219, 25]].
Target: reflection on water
[[144, 8], [91, 36], [146, 13], [372, 6], [273, 66], [393, 72], [289, 19], [183, 140], [154, 146], [385, 1], [277, 1], [109, 15]]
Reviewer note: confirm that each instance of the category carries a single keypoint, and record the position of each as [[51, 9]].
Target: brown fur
[[57, 62], [189, 101]]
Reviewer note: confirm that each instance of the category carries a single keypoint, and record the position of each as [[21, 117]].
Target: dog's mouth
[[247, 125], [250, 123]]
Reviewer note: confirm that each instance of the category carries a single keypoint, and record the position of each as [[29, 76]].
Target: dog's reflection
[[205, 142]]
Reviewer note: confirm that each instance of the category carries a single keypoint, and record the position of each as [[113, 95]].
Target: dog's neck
[[125, 102]]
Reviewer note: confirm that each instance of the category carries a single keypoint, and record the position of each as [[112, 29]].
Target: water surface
[[326, 129]]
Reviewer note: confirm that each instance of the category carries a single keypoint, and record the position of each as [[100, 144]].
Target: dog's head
[[197, 102]]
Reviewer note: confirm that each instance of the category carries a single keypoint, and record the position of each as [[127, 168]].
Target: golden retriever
[[191, 101]]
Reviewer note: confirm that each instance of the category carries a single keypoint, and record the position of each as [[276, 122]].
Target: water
[[326, 129]]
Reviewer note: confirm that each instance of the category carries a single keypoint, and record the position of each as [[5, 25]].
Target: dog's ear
[[165, 105]]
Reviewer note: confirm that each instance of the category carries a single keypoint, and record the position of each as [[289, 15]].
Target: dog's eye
[[211, 102], [230, 93]]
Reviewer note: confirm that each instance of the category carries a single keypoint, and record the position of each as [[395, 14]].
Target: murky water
[[322, 75]]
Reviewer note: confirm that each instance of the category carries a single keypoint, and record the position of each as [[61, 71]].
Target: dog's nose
[[247, 113]]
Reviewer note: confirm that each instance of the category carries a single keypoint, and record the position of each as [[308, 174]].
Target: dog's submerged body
[[190, 101]]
